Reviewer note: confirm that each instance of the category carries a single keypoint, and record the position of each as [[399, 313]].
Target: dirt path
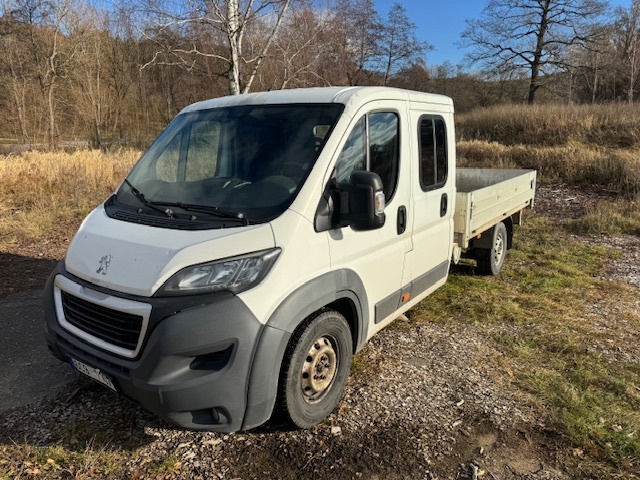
[[29, 372]]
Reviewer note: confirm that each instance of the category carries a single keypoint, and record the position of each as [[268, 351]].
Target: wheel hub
[[319, 369]]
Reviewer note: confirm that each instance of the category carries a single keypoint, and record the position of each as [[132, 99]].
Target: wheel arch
[[347, 308], [340, 290], [486, 239]]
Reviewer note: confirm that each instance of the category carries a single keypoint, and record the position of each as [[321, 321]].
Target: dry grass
[[571, 163], [614, 125], [614, 217], [38, 190], [575, 144], [31, 461]]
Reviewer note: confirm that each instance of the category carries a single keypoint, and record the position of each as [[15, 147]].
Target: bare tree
[[90, 72], [399, 45], [50, 29], [627, 38], [16, 69], [588, 68], [297, 50], [363, 26], [120, 55], [207, 24], [352, 46], [531, 35]]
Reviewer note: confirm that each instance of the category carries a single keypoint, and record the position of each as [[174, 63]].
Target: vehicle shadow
[[466, 267]]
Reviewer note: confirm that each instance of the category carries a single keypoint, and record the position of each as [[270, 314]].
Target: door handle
[[443, 205], [402, 219]]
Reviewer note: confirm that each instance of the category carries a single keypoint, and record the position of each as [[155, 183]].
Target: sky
[[441, 22]]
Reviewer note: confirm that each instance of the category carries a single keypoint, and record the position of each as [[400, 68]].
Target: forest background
[[83, 73]]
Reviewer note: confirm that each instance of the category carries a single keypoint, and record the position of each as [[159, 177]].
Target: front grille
[[117, 328]]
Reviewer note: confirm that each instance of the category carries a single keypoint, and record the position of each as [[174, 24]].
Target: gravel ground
[[425, 404]]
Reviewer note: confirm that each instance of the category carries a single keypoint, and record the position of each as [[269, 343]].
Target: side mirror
[[361, 202]]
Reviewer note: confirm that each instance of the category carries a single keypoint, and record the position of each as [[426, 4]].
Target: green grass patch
[[168, 465], [564, 357]]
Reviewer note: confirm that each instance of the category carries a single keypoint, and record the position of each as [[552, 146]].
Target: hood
[[138, 259]]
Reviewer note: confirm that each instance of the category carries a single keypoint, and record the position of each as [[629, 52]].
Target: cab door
[[377, 142], [433, 201]]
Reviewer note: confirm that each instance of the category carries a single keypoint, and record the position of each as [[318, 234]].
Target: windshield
[[246, 162]]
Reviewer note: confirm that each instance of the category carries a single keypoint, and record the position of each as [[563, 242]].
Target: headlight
[[235, 275]]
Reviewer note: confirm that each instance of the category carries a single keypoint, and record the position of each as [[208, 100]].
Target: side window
[[354, 154], [380, 154], [383, 149], [433, 152]]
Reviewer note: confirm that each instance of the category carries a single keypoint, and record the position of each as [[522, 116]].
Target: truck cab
[[259, 243]]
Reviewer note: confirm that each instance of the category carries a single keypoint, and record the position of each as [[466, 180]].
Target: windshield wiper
[[239, 216], [141, 198]]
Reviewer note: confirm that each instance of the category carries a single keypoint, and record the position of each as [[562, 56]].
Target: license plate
[[93, 373]]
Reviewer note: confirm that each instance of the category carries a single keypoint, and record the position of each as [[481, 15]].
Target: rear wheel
[[315, 368], [490, 260]]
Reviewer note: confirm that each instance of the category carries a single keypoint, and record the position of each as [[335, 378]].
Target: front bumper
[[194, 363]]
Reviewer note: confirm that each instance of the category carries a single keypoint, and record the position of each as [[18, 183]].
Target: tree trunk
[[595, 81], [633, 73], [266, 47], [18, 96], [537, 54], [387, 70], [233, 33], [52, 140], [97, 135], [533, 84]]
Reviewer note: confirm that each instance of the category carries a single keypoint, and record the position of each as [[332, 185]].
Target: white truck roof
[[343, 95]]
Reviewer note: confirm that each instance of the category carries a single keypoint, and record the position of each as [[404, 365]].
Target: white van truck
[[262, 240]]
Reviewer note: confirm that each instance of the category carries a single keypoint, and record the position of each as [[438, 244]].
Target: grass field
[[591, 146], [39, 189], [613, 125]]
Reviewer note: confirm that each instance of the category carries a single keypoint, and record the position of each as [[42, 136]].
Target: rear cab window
[[432, 140]]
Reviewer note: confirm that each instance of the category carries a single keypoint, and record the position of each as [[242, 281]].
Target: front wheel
[[490, 260], [315, 368]]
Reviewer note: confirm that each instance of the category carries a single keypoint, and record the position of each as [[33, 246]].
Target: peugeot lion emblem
[[104, 264]]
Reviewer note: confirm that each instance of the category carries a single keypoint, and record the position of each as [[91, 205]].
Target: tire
[[490, 260], [322, 345]]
